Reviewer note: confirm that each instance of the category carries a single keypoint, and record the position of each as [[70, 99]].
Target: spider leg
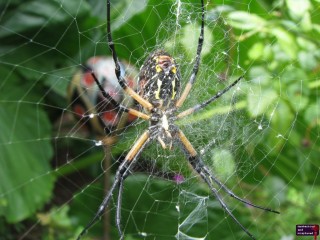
[[227, 190], [194, 73], [105, 201], [218, 197], [207, 102], [118, 213], [123, 83], [208, 177], [119, 106], [122, 172]]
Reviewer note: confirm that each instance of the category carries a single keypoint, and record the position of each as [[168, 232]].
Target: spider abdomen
[[159, 80]]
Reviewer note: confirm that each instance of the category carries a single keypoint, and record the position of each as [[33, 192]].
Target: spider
[[159, 96]]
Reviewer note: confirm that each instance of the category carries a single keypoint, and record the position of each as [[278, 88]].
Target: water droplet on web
[[280, 136], [98, 143], [260, 127], [91, 115], [178, 208], [143, 234]]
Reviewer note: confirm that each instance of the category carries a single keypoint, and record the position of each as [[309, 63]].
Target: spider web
[[261, 139]]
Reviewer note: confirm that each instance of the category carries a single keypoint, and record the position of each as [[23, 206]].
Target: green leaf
[[306, 22], [224, 163], [131, 8], [307, 60], [312, 114], [246, 21], [281, 123], [298, 94], [286, 41], [190, 39], [298, 8], [293, 75], [276, 187], [306, 44], [35, 41], [56, 218], [260, 75], [260, 101], [31, 15], [256, 51], [133, 36], [296, 197], [25, 151], [297, 90]]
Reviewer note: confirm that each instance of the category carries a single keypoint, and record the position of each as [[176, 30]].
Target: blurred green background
[[261, 139]]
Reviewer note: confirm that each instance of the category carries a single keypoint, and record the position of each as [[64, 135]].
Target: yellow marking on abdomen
[[157, 92], [173, 86]]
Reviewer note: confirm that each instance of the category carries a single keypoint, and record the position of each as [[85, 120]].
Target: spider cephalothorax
[[162, 127], [159, 97], [159, 79]]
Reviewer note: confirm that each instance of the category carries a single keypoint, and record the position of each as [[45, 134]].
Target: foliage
[[278, 47]]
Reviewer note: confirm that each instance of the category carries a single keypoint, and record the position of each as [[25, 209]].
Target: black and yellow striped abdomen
[[159, 80]]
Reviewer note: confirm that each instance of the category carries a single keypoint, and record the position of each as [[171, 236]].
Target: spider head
[[159, 79]]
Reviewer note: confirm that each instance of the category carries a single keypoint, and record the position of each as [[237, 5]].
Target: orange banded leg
[[209, 178], [184, 95], [122, 172], [143, 102], [207, 102]]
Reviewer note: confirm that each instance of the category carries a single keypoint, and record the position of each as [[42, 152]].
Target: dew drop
[[98, 143], [178, 208]]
